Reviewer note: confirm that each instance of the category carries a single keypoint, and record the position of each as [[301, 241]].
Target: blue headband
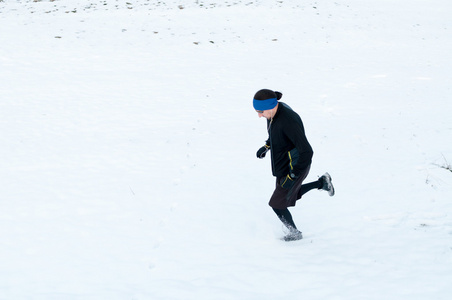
[[265, 104]]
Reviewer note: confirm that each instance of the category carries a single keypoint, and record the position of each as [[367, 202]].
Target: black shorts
[[283, 198]]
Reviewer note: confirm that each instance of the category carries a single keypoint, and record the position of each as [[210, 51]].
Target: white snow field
[[128, 141]]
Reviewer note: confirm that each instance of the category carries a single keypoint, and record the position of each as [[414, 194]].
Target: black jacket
[[289, 147]]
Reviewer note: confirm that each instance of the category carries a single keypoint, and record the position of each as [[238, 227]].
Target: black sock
[[285, 217], [309, 186]]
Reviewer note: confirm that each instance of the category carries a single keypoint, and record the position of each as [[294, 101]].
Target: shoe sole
[[291, 239], [330, 183]]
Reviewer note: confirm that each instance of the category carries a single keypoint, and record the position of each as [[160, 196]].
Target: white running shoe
[[294, 235], [327, 184]]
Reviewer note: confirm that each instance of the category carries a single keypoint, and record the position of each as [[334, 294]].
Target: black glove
[[262, 151], [288, 181]]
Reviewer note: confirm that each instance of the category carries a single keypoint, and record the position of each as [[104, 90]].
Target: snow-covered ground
[[128, 140]]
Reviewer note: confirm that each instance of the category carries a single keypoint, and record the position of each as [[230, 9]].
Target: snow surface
[[128, 143]]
